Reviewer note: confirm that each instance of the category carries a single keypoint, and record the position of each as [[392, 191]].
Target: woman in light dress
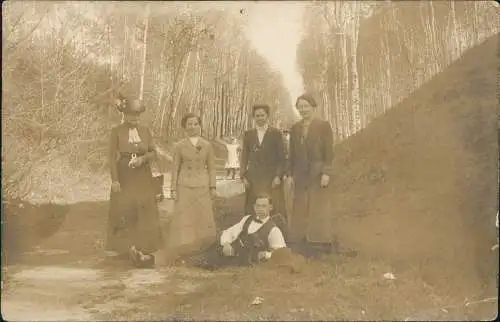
[[192, 228], [233, 158]]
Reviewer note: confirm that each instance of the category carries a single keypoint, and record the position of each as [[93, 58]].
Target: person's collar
[[261, 221], [262, 128], [193, 138]]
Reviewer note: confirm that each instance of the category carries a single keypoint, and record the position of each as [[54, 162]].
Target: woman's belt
[[128, 155]]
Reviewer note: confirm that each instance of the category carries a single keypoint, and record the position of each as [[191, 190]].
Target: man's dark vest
[[248, 245]]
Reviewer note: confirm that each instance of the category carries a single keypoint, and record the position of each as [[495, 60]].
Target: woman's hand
[[141, 160], [325, 179], [245, 182], [276, 182], [115, 186], [133, 162], [136, 162], [227, 250], [263, 256], [213, 192], [288, 179]]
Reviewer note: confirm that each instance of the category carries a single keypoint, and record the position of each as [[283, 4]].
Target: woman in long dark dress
[[310, 165], [134, 225]]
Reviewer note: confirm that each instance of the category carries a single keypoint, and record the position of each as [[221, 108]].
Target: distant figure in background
[[263, 160], [133, 223], [192, 228], [233, 158], [286, 139], [310, 166]]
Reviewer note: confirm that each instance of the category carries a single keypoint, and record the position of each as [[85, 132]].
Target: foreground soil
[[66, 277], [416, 197]]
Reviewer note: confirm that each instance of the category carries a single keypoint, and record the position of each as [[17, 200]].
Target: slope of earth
[[418, 186]]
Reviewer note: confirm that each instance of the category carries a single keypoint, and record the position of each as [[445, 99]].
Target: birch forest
[[361, 58], [64, 64]]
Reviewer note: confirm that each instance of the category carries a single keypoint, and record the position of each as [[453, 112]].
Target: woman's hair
[[264, 107], [186, 117], [308, 98], [264, 195]]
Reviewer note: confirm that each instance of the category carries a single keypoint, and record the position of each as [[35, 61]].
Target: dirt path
[[72, 292]]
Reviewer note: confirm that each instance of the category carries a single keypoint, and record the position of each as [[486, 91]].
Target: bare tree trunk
[[388, 75], [221, 109], [181, 88], [125, 44], [244, 96], [196, 85], [144, 51], [455, 33], [42, 90], [216, 108], [345, 86], [354, 70]]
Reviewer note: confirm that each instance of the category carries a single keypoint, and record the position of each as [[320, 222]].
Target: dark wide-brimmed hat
[[129, 105]]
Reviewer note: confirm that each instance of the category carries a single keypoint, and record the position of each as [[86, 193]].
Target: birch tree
[[371, 55], [65, 63]]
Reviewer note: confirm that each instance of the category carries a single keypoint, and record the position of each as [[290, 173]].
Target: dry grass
[[334, 288], [57, 181]]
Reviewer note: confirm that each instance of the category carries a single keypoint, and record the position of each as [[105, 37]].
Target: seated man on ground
[[253, 239]]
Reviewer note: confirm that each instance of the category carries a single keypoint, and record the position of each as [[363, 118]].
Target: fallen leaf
[[389, 276], [257, 300]]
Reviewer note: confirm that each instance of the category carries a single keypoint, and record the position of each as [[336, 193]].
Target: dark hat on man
[[129, 105]]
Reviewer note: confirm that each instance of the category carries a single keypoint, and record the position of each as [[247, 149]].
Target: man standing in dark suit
[[263, 160]]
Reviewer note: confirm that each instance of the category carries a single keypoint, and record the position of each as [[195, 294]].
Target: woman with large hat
[[134, 225]]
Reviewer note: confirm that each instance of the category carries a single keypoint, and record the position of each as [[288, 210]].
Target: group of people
[[302, 159]]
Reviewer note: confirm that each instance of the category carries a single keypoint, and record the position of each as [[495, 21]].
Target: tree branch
[[12, 47]]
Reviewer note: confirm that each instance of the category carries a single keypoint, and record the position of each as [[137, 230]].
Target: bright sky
[[275, 29]]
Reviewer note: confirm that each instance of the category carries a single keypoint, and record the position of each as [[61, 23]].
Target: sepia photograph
[[250, 160]]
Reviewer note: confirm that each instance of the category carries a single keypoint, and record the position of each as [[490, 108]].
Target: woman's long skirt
[[133, 212], [263, 184], [192, 227], [311, 219]]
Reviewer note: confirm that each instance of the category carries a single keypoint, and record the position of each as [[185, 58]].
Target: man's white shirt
[[194, 140], [261, 131]]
